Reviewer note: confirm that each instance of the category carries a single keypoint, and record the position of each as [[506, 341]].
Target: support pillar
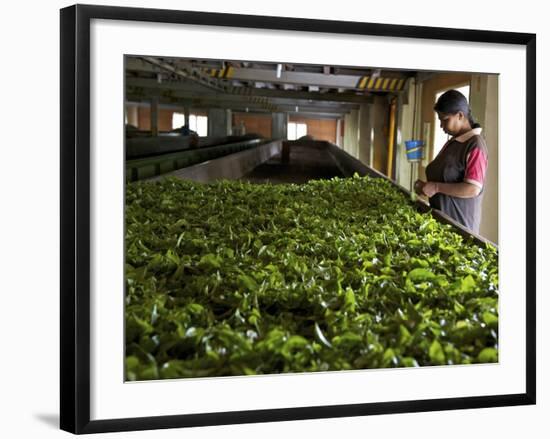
[[218, 122], [279, 126], [186, 115], [365, 131], [155, 116], [132, 115], [228, 122]]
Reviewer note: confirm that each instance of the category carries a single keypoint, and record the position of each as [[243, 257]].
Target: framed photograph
[[272, 218]]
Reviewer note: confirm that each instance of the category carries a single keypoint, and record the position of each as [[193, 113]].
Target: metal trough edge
[[232, 166]]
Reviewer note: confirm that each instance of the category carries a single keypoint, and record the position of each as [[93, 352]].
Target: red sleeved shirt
[[476, 167]]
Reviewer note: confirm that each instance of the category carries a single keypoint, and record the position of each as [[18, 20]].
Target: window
[[197, 123], [296, 130], [178, 120], [440, 138]]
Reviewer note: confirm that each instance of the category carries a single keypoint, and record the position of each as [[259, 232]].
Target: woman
[[457, 175]]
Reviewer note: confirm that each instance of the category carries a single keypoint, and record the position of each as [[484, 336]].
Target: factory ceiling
[[322, 90]]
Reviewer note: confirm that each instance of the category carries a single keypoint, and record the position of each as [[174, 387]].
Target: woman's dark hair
[[451, 102]]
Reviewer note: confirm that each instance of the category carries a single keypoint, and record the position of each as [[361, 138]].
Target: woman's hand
[[427, 188], [418, 185], [430, 188]]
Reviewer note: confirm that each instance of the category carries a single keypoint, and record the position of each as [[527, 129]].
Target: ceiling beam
[[196, 89], [296, 78], [230, 101], [243, 106], [376, 80]]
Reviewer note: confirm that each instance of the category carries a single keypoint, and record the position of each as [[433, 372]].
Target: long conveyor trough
[[237, 165]]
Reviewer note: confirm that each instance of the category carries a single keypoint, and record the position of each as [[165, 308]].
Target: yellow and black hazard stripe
[[225, 73], [400, 84], [362, 84], [380, 83]]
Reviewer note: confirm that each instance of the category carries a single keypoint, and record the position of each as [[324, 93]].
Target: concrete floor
[[305, 163]]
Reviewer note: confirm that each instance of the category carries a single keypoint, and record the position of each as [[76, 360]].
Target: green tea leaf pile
[[234, 278]]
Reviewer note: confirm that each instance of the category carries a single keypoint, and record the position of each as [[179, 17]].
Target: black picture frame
[[75, 217]]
